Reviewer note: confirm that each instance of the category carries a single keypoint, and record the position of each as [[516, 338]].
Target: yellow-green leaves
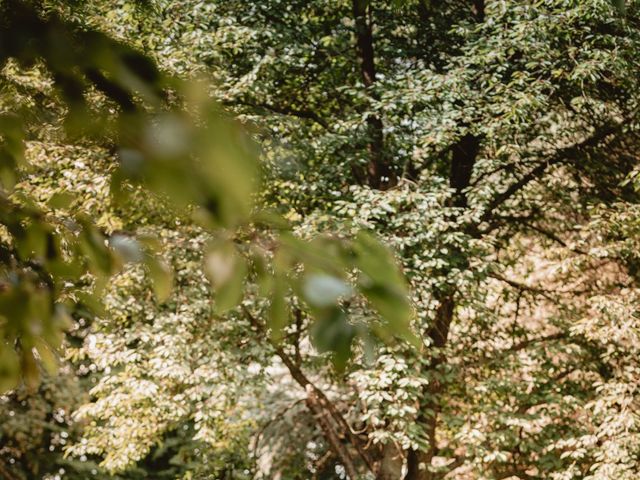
[[9, 367], [195, 157], [226, 270], [320, 278], [383, 285], [161, 277], [30, 331], [171, 139], [328, 274], [11, 149]]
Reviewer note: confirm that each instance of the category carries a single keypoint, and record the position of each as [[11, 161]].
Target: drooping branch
[[545, 292], [270, 422], [552, 236], [323, 420]]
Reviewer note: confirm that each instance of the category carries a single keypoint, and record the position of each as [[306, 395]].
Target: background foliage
[[213, 247]]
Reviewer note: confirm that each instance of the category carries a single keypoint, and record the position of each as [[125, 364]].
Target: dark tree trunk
[[379, 173], [430, 408], [478, 10], [463, 157]]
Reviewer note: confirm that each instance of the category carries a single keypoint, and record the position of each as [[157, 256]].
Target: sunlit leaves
[[531, 78], [327, 274], [226, 271], [182, 150], [195, 157]]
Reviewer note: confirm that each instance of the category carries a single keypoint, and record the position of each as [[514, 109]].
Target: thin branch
[[297, 335], [522, 286], [320, 464], [286, 110], [572, 152], [532, 341], [500, 354], [515, 473], [552, 236], [545, 292], [457, 462], [271, 422], [522, 409], [322, 417], [7, 475]]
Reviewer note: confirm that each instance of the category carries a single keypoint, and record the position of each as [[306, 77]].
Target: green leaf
[[620, 5], [9, 368], [260, 269], [331, 332], [161, 278], [278, 317], [376, 261], [321, 290], [384, 287], [93, 246], [227, 271], [30, 370], [61, 200], [394, 307], [47, 357], [127, 248]]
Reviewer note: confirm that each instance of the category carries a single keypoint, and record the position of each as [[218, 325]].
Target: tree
[[492, 147]]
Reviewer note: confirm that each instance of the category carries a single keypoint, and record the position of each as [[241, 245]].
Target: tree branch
[[500, 354], [286, 110], [568, 153], [552, 236], [545, 292], [457, 462], [319, 404]]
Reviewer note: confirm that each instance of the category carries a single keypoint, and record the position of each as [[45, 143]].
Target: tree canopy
[[311, 239]]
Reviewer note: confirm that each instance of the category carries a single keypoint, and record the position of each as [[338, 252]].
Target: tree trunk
[[478, 10], [463, 158], [429, 409], [390, 464], [378, 172]]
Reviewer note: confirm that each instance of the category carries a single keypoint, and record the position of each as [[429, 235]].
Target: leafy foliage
[[489, 145]]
